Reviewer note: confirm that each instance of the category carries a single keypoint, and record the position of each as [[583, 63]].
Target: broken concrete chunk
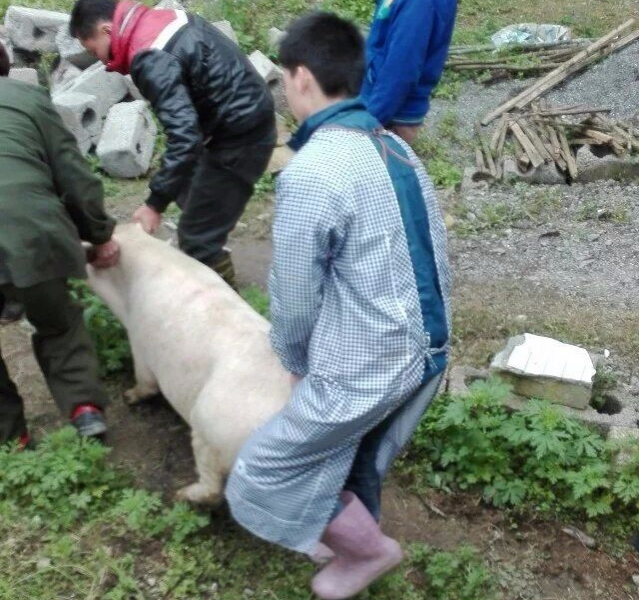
[[6, 42], [540, 367], [25, 75], [128, 138], [283, 134], [34, 29], [72, 50], [227, 29], [80, 116], [280, 158], [63, 74], [109, 88], [265, 67]]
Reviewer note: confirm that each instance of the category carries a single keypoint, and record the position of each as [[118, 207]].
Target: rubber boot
[[223, 266], [362, 552]]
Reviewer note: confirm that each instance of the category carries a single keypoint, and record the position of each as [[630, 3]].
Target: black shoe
[[89, 420], [12, 311]]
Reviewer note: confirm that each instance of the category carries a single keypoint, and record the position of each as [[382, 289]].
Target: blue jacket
[[405, 55]]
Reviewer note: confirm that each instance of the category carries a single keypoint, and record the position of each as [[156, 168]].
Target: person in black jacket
[[215, 108]]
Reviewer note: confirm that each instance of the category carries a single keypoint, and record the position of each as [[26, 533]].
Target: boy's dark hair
[[4, 61], [87, 14], [331, 48]]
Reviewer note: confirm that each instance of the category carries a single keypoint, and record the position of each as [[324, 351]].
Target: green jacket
[[49, 199]]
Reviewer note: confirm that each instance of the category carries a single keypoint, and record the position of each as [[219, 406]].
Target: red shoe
[[88, 419], [25, 442]]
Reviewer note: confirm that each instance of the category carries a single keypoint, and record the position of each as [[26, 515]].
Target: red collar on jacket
[[135, 28]]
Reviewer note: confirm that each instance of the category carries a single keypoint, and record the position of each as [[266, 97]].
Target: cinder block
[[108, 88], [134, 92], [33, 29], [265, 67], [79, 114], [63, 74], [128, 138], [227, 29], [72, 50], [6, 42], [25, 75]]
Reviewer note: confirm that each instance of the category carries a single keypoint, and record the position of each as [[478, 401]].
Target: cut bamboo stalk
[[558, 112], [522, 158], [540, 86], [479, 161], [535, 158], [568, 155], [486, 150], [503, 124], [531, 134]]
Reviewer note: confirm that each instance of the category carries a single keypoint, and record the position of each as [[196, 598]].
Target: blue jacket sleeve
[[303, 233], [407, 48]]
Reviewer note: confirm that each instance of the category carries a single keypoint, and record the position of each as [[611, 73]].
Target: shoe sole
[[95, 430]]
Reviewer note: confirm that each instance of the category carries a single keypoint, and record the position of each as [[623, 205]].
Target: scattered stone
[[540, 367], [580, 536], [449, 220], [72, 50], [265, 66], [169, 4], [592, 167], [80, 115], [227, 29], [628, 439], [33, 29], [128, 138], [275, 36], [108, 88], [63, 74], [24, 75], [635, 579], [6, 42], [43, 563]]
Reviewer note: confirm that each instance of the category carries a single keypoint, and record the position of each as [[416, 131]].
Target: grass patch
[[537, 459], [258, 300]]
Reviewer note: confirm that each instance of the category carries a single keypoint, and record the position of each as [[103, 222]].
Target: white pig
[[198, 343]]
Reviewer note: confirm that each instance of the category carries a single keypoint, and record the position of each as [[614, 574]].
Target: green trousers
[[63, 349]]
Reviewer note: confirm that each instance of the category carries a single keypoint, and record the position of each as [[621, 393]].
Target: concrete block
[[63, 74], [593, 166], [540, 367], [474, 179], [128, 138], [628, 439], [283, 134], [25, 75], [280, 158], [265, 67], [34, 29], [275, 36], [227, 29], [6, 42], [169, 4], [108, 88], [79, 114], [72, 50]]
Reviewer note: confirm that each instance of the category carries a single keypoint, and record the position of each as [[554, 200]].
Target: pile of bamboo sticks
[[546, 135], [603, 47], [528, 60]]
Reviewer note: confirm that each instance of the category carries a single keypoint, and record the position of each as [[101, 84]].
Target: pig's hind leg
[[210, 487]]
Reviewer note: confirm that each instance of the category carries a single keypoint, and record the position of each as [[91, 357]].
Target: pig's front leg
[[146, 385]]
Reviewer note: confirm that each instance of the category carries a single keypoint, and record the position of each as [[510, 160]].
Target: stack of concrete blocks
[[128, 138], [104, 111]]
